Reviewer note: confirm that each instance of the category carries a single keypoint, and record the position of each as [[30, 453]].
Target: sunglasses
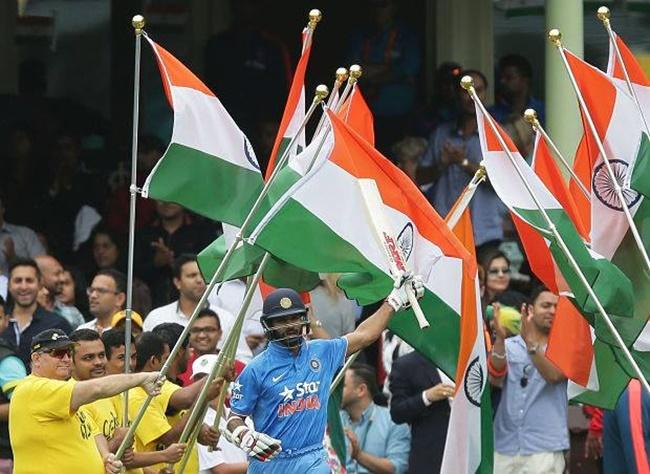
[[58, 353], [496, 271], [523, 382]]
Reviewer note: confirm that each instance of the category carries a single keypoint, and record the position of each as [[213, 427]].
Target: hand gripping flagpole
[[603, 15], [321, 93], [384, 236], [555, 37], [454, 214], [468, 84], [531, 117], [138, 26]]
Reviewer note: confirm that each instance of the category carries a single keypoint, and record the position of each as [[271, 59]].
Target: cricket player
[[285, 389]]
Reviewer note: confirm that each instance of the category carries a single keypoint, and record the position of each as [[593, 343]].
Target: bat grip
[[417, 310]]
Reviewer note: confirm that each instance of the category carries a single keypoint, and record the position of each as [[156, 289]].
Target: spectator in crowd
[[407, 153], [389, 51], [421, 399], [530, 426], [625, 438], [332, 308], [47, 406], [258, 65], [190, 285], [52, 287], [514, 92], [521, 133], [376, 443], [72, 290], [227, 458], [497, 269], [170, 333], [227, 303], [443, 107], [150, 150], [106, 296], [27, 317], [453, 156], [107, 251], [12, 371], [15, 240], [172, 234], [113, 340]]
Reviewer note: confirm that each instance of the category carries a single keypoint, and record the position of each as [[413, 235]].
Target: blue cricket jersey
[[287, 395]]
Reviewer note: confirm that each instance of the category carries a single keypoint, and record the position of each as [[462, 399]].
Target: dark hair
[[84, 334], [114, 338], [365, 374], [538, 290], [208, 313], [148, 345], [170, 333], [181, 260], [520, 63], [489, 255], [511, 298], [118, 277], [24, 262], [102, 228], [475, 72]]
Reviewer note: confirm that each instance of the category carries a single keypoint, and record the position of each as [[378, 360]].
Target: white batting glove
[[259, 445], [398, 298]]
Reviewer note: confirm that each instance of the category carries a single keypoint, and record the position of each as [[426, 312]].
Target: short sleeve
[[338, 348], [12, 370], [245, 392], [154, 423], [54, 398]]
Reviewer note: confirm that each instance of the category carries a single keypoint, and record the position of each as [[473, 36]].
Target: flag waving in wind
[[209, 166]]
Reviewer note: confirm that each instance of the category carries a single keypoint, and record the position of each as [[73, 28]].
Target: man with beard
[[49, 429], [53, 279], [285, 389], [530, 426], [27, 317], [190, 285], [89, 363]]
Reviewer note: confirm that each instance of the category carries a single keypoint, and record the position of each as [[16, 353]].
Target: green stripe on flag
[[205, 184]]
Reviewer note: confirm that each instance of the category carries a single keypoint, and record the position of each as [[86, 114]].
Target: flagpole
[[138, 24], [555, 37], [603, 15], [453, 216], [355, 73], [468, 84], [531, 117], [341, 374], [332, 100], [225, 354], [321, 93], [315, 16]]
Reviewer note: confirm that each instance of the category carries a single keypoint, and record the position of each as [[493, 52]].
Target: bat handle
[[417, 310]]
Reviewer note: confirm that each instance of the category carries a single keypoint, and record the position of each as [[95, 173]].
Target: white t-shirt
[[170, 313], [226, 452]]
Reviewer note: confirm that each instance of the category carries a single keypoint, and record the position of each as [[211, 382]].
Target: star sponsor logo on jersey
[[302, 397], [236, 393]]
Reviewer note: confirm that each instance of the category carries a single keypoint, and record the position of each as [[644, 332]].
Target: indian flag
[[356, 113], [209, 166], [337, 238], [294, 110], [613, 289]]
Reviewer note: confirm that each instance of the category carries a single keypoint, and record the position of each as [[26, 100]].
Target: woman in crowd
[[497, 271]]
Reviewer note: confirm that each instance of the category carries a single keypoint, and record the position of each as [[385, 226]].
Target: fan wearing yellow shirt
[[167, 415], [49, 430]]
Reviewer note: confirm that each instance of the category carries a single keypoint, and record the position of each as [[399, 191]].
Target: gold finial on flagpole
[[555, 37], [355, 73], [341, 74], [531, 117], [467, 83], [321, 93], [315, 16], [481, 172], [138, 23], [603, 14]]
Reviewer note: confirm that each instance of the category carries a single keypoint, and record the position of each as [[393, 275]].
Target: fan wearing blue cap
[[285, 389]]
